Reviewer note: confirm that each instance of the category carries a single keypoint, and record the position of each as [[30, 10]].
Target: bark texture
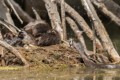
[[101, 31], [78, 33], [14, 51], [54, 16], [79, 19], [103, 8]]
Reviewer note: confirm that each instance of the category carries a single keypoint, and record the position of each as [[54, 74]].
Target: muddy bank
[[53, 56]]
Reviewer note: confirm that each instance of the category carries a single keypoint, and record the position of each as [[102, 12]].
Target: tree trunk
[[107, 43], [112, 6], [1, 52], [54, 16], [78, 33], [63, 19], [101, 6], [82, 23]]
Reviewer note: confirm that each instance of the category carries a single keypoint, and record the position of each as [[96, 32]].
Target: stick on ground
[[14, 51]]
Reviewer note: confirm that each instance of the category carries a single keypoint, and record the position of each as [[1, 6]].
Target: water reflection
[[60, 74], [99, 75]]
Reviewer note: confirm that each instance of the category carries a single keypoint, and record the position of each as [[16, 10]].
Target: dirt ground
[[53, 56]]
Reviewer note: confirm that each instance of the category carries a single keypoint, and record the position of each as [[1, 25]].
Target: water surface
[[60, 74]]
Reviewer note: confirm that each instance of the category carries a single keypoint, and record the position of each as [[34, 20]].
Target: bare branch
[[63, 19], [14, 51], [12, 7], [108, 13], [79, 19], [22, 14], [78, 33], [36, 14], [101, 31]]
